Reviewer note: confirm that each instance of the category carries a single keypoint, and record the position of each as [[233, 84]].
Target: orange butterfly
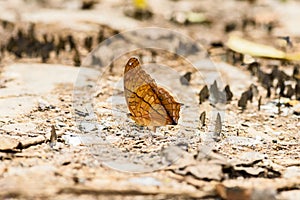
[[149, 104]]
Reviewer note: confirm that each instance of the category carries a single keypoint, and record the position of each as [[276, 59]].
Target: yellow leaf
[[293, 56], [140, 4], [243, 46], [194, 17]]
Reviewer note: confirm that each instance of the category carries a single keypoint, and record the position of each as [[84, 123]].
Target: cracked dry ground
[[256, 156]]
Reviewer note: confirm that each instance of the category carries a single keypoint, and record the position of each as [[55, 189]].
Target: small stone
[[281, 137]]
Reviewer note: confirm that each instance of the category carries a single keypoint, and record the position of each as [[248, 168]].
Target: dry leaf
[[218, 126], [204, 94], [186, 78], [53, 136], [202, 118]]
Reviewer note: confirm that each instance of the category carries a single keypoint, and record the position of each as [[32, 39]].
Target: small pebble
[[281, 137]]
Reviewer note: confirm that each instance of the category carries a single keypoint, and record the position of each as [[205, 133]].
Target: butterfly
[[149, 104]]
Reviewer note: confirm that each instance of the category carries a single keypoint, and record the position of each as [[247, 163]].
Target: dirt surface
[[65, 131]]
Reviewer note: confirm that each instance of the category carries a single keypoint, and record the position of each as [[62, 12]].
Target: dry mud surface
[[65, 131]]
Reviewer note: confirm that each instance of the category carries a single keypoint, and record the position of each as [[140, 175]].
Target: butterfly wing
[[149, 105]]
